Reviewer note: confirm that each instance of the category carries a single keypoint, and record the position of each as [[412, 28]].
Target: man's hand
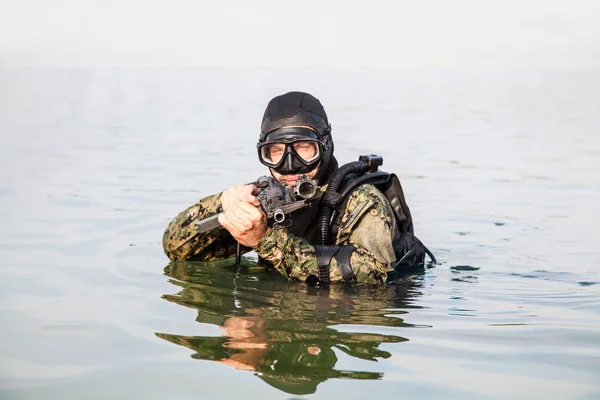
[[239, 193], [246, 223]]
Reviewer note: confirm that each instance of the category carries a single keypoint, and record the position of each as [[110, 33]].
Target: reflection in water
[[283, 330]]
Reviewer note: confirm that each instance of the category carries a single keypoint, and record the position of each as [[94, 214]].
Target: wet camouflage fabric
[[181, 241], [367, 223]]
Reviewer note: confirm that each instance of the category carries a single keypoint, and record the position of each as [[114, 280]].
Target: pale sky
[[430, 33]]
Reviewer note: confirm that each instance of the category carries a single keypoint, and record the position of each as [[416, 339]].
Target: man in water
[[370, 240]]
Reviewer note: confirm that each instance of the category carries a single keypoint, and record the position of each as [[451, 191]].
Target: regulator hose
[[331, 197]]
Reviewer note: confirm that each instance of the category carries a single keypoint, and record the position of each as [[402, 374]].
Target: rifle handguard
[[276, 201]]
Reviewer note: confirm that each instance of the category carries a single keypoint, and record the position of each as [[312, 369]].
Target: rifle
[[277, 201]]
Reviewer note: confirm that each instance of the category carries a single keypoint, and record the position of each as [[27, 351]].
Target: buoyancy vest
[[410, 252]]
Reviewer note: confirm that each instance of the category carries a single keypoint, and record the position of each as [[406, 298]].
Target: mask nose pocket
[[290, 164]]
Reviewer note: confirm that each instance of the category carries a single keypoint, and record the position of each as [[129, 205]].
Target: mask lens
[[308, 150], [304, 152], [272, 153]]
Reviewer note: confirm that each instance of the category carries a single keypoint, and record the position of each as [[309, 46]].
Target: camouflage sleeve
[[182, 242], [367, 223]]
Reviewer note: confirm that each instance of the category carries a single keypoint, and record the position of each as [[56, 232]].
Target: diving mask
[[291, 150]]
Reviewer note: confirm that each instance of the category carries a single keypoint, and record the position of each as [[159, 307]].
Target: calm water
[[501, 170]]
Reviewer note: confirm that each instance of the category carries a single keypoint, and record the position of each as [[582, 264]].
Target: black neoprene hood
[[297, 109], [294, 109]]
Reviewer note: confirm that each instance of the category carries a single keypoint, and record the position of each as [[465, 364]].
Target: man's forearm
[[181, 241]]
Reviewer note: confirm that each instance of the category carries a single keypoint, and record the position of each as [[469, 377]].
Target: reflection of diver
[[280, 329]]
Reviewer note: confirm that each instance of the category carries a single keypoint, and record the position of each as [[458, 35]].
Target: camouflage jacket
[[367, 222]]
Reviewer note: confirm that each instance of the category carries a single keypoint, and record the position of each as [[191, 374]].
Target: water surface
[[501, 173]]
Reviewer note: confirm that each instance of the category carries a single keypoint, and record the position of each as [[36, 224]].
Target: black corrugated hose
[[328, 201]]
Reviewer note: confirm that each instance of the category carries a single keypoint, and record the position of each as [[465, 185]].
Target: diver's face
[[290, 180], [290, 152]]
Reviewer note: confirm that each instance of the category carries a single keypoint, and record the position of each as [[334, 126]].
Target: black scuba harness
[[409, 250]]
